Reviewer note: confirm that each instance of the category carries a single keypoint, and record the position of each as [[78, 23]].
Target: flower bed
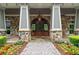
[[68, 49], [12, 49]]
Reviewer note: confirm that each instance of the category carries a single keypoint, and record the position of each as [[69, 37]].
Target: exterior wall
[[44, 16], [14, 21], [12, 14], [12, 11], [45, 11], [66, 15], [53, 35], [68, 11], [40, 11], [66, 23]]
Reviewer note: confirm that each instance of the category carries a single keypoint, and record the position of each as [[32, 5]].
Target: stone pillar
[[76, 27], [2, 21], [56, 28], [24, 24]]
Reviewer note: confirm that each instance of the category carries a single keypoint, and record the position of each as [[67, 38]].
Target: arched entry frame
[[40, 32]]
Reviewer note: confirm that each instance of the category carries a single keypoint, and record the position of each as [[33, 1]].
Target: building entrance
[[40, 26]]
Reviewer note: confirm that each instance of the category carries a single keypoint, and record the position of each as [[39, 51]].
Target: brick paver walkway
[[40, 47]]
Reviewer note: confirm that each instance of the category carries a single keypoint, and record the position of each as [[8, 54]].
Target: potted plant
[[8, 31]]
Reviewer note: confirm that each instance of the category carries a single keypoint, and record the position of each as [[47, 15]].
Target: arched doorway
[[40, 27]]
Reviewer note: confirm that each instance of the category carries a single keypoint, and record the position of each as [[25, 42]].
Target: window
[[71, 27], [45, 27], [33, 27]]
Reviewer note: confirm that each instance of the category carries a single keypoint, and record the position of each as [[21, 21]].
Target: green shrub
[[8, 31], [3, 40], [74, 40], [19, 42]]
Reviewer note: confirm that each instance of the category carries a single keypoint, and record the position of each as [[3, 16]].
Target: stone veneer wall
[[53, 35]]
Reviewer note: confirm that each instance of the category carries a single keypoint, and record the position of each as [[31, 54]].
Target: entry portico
[[55, 22], [39, 19]]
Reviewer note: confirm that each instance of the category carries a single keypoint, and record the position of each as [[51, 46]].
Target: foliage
[[74, 40], [10, 49], [8, 31], [3, 40], [70, 48], [19, 42]]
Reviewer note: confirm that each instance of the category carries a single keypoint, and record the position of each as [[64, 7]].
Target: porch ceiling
[[38, 5]]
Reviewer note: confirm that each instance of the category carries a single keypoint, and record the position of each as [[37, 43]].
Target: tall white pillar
[[56, 28], [2, 21], [24, 24], [76, 27]]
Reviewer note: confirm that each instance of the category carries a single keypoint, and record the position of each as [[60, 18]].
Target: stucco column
[[2, 21], [76, 27], [24, 24], [56, 28]]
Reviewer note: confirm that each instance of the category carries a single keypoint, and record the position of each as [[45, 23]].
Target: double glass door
[[40, 28]]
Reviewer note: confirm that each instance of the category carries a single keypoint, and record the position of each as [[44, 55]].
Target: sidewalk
[[40, 47]]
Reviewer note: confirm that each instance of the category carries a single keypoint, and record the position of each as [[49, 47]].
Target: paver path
[[40, 47]]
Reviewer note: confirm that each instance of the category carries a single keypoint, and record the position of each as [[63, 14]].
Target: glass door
[[40, 28]]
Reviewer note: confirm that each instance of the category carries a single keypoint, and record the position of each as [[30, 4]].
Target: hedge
[[74, 40], [3, 40]]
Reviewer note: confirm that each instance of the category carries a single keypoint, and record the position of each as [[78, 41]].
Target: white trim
[[2, 29], [56, 6], [75, 20], [77, 29], [24, 30], [55, 30], [52, 17], [69, 14], [60, 18], [20, 17], [27, 12], [4, 19]]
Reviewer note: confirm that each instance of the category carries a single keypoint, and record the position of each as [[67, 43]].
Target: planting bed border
[[22, 48], [62, 50]]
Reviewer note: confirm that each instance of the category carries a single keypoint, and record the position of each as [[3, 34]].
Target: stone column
[[56, 28], [24, 24], [2, 21], [76, 27]]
